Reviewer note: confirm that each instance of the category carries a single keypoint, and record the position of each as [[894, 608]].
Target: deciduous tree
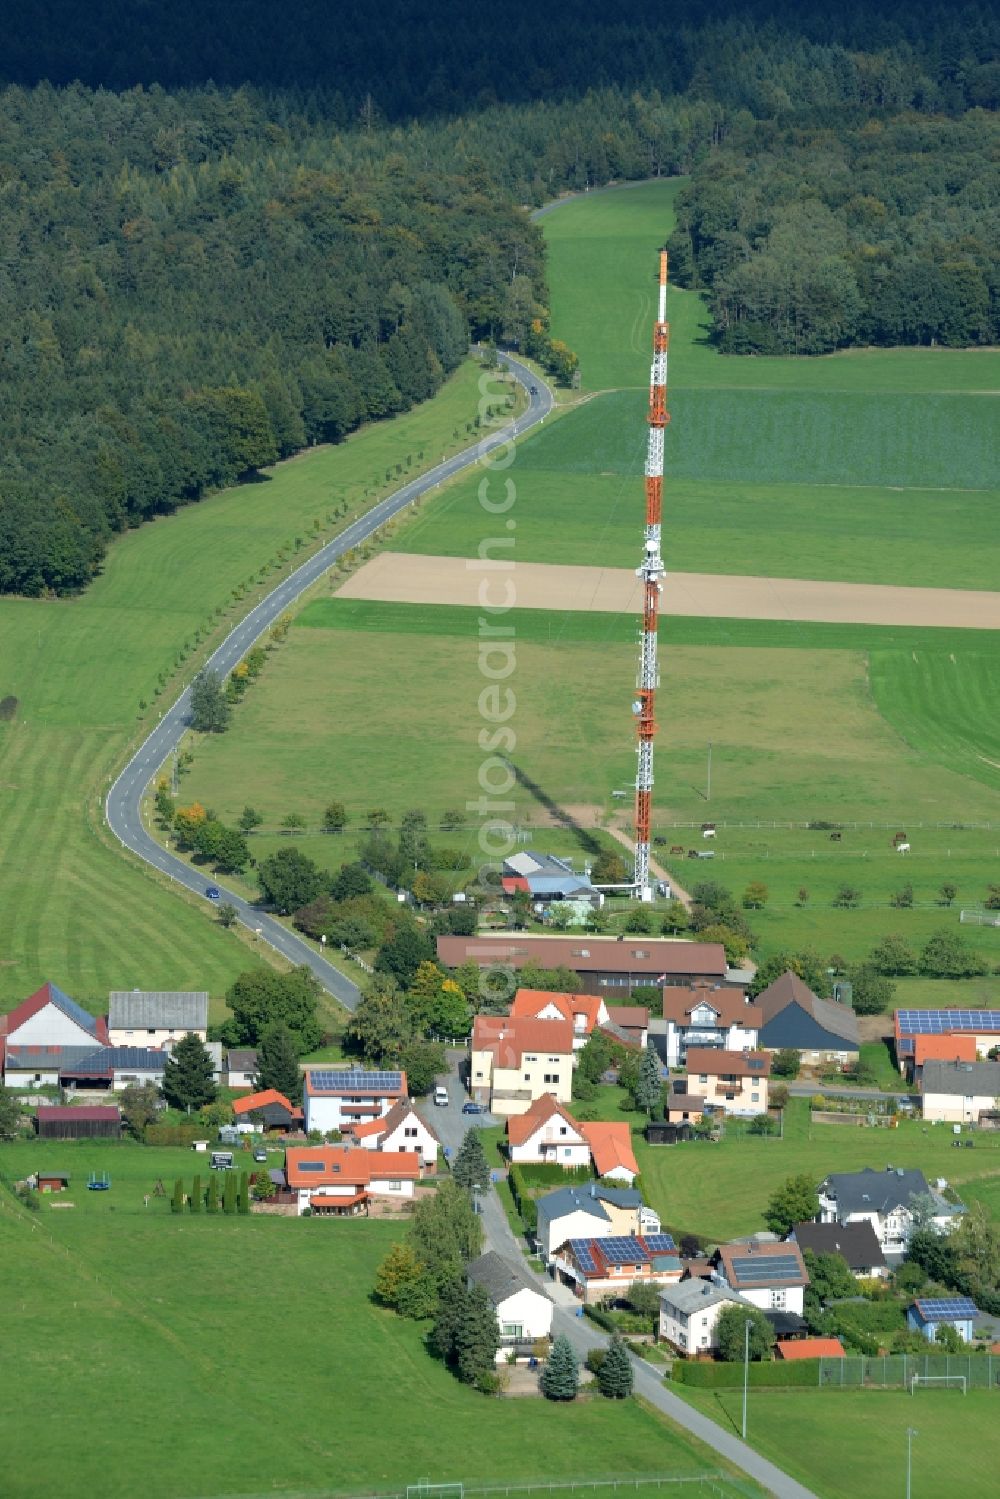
[[210, 711], [795, 1201], [731, 1333]]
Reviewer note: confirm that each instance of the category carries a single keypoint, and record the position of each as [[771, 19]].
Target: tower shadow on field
[[559, 816]]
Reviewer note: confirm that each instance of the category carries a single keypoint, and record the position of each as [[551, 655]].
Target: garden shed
[[54, 1122], [662, 1133]]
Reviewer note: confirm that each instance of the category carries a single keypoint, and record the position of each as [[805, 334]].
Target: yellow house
[[513, 1062], [734, 1081]]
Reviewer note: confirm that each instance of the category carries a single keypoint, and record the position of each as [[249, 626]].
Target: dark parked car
[[213, 892], [471, 1107]]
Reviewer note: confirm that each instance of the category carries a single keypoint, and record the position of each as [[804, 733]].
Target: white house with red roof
[[583, 1011], [401, 1129], [514, 1061], [610, 1142], [547, 1133], [339, 1180], [47, 1022], [339, 1098]]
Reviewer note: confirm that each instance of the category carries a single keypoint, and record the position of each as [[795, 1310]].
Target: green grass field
[[721, 1189], [253, 1359], [74, 910], [852, 1444]]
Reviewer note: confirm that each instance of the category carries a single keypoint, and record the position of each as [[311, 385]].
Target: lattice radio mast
[[651, 571]]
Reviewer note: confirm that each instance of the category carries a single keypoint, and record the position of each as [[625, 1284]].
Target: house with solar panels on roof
[[982, 1025], [928, 1313], [598, 1268], [889, 1200], [337, 1098], [769, 1275], [592, 1211], [44, 1031]]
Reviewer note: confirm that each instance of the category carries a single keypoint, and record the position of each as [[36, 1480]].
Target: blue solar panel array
[[356, 1082], [583, 1254], [940, 1022], [659, 1243], [947, 1308], [776, 1267], [624, 1251]]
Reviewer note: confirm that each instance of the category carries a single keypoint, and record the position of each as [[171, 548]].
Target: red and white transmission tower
[[651, 572]]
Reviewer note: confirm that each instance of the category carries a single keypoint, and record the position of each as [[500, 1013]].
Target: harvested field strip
[[395, 576]]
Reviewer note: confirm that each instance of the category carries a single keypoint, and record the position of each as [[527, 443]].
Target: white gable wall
[[50, 1027], [411, 1134], [578, 1225], [526, 1314]]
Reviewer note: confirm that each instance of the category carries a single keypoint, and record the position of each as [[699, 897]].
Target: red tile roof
[[611, 1146], [49, 994], [340, 1165], [810, 1348], [509, 1040], [729, 1004], [529, 1003], [714, 1062], [252, 1101], [645, 955], [401, 1111], [944, 1049], [521, 1127]]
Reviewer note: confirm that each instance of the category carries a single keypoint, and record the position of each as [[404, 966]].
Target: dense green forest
[[882, 232], [196, 280]]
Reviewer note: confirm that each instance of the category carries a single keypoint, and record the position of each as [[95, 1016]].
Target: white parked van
[[441, 1097]]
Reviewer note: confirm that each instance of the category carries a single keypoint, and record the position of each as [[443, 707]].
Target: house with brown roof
[[547, 1133], [401, 1129], [795, 1018], [771, 1276], [707, 1014], [733, 1081], [605, 965], [683, 1107], [513, 1062], [339, 1180]]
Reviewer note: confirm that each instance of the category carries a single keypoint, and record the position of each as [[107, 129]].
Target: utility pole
[[746, 1378], [651, 571]]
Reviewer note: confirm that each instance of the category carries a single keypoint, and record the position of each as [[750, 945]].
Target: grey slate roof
[[585, 1199], [695, 1295], [857, 1243], [500, 1278], [871, 1191], [962, 1079], [242, 1059], [157, 1009]]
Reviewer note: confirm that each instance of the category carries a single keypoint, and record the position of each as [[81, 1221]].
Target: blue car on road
[[213, 892]]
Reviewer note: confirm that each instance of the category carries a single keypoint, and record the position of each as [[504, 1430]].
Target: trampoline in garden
[[100, 1183]]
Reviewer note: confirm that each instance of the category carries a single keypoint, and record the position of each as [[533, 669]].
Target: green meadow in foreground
[[74, 909], [253, 1358], [851, 1444]]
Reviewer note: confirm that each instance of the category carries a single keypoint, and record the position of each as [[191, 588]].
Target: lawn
[[848, 1444], [74, 910], [778, 483], [219, 1328], [721, 1189]]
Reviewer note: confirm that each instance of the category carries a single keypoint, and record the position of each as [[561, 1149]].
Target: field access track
[[396, 577]]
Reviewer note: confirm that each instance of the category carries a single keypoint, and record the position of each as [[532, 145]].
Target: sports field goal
[[425, 1489], [945, 1379]]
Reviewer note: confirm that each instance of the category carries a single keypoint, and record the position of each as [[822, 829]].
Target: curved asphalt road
[[122, 806]]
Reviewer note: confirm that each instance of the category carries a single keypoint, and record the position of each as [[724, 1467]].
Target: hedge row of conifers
[[234, 1197]]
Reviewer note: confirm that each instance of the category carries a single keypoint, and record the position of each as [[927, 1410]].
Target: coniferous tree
[[560, 1379], [188, 1080], [278, 1063], [196, 1195], [212, 1202], [648, 1084], [229, 1193], [177, 1201], [615, 1378], [470, 1168], [477, 1336], [243, 1196]]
